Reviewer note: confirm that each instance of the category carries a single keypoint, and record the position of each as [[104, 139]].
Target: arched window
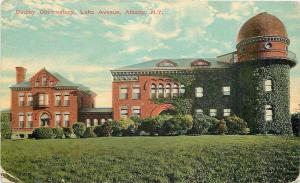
[[168, 90], [160, 91], [182, 89], [153, 91], [175, 90], [88, 122], [95, 122]]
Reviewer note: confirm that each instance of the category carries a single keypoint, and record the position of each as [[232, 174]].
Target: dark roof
[[62, 82], [180, 64], [99, 110]]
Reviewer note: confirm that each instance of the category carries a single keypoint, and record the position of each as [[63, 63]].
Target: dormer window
[[200, 62], [166, 63]]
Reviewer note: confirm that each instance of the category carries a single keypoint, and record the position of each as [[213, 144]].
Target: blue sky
[[85, 47]]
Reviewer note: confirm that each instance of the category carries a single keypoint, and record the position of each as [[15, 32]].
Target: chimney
[[21, 74]]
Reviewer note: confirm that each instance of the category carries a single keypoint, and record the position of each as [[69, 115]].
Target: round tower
[[263, 64]]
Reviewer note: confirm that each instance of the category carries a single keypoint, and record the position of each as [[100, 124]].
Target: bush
[[79, 129], [130, 131], [203, 124], [236, 125], [103, 130], [221, 127], [125, 123], [58, 133], [185, 121], [43, 133], [5, 126], [153, 125], [89, 132], [68, 132], [295, 119], [116, 128]]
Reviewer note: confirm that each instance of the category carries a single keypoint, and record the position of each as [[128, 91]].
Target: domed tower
[[263, 64]]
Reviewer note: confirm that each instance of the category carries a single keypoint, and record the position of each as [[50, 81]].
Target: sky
[[85, 47]]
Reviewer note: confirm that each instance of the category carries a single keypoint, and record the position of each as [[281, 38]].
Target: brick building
[[49, 99], [252, 82]]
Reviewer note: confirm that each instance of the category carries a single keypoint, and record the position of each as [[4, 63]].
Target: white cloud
[[130, 49], [238, 10]]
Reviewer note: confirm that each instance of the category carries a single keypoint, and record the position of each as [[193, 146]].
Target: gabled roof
[[62, 82], [185, 63]]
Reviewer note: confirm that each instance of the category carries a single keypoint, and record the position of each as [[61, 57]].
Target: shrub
[[153, 125], [295, 119], [203, 124], [221, 127], [58, 132], [116, 128], [79, 129], [68, 132], [186, 122], [235, 125], [103, 130], [5, 126], [130, 131], [89, 132], [43, 133], [125, 123], [170, 127]]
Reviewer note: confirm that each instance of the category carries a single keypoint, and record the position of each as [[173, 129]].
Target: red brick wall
[[148, 108], [51, 109]]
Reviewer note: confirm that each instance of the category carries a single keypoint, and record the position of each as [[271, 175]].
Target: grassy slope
[[154, 159]]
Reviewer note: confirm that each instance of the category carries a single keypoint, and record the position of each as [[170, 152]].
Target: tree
[[5, 125], [295, 119], [79, 129]]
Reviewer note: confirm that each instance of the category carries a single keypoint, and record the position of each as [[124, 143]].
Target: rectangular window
[[268, 113], [268, 85], [199, 91], [57, 99], [136, 111], [213, 112], [36, 83], [226, 90], [199, 111], [21, 120], [29, 120], [21, 100], [29, 99], [88, 122], [44, 81], [124, 112], [124, 93], [226, 112], [66, 119], [57, 119], [43, 99], [66, 100], [136, 92]]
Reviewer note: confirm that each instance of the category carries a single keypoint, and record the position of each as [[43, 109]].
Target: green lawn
[[154, 159]]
